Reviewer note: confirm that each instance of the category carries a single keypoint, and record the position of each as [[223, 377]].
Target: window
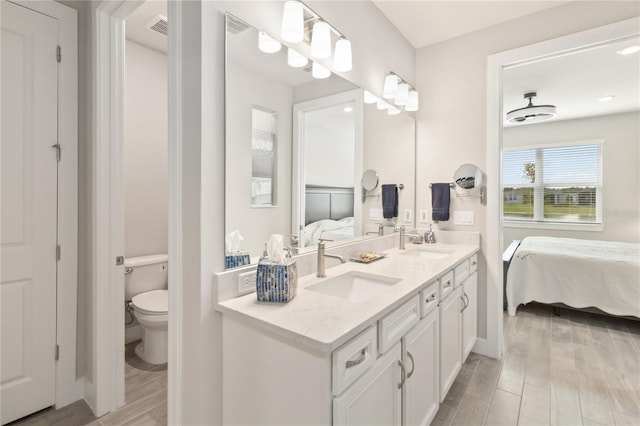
[[553, 183], [264, 125]]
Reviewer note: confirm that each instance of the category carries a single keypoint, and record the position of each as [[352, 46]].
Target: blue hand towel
[[389, 201], [440, 193]]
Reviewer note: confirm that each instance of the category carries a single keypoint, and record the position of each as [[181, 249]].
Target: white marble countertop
[[322, 322]]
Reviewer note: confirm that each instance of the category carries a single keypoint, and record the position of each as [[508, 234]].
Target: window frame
[[538, 220]]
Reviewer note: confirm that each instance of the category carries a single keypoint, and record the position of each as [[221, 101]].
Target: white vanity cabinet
[[450, 339], [469, 314]]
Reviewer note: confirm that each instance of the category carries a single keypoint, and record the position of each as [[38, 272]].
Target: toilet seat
[[154, 302]]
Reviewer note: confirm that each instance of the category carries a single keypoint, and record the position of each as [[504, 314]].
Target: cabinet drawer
[[473, 263], [392, 327], [429, 299], [461, 272], [446, 284], [352, 359]]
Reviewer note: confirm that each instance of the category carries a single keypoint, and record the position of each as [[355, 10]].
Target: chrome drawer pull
[[474, 263], [430, 298], [413, 365], [403, 374], [363, 356], [447, 284]]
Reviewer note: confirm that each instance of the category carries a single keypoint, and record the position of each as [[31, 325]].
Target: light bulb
[[382, 105], [268, 44], [321, 40], [296, 59], [292, 29], [370, 98], [342, 56], [412, 102], [390, 86], [403, 94], [318, 71]]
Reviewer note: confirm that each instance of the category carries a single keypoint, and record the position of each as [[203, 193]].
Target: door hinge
[[59, 54], [58, 149], [57, 352], [58, 252]]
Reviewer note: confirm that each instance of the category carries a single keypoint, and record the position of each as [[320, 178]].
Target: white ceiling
[[135, 25], [427, 22]]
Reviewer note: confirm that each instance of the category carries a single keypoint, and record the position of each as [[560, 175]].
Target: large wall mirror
[[297, 146]]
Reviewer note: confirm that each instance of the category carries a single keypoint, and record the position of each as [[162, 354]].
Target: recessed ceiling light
[[348, 109], [629, 50], [606, 98]]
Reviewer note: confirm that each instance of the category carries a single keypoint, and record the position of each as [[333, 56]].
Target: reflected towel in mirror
[[389, 201]]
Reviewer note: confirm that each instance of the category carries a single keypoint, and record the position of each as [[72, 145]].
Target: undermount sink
[[354, 286], [428, 253]]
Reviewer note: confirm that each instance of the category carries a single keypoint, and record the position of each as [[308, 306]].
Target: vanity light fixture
[[606, 98], [300, 23], [393, 110], [320, 72], [531, 113], [370, 98], [267, 44], [629, 50], [296, 59], [382, 105], [402, 93], [292, 28], [348, 109]]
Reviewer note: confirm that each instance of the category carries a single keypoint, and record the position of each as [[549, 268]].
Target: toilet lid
[[156, 301]]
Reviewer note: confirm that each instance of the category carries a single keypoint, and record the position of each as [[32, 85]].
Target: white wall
[[620, 171], [145, 148], [452, 80], [249, 89]]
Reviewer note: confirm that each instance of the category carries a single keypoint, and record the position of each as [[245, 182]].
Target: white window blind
[[553, 184]]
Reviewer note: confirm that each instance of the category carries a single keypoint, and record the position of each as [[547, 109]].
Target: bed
[[328, 214], [577, 273]]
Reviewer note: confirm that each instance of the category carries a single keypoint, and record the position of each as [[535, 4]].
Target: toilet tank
[[145, 273]]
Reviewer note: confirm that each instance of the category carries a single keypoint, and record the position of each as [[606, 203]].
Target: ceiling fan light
[[321, 40], [296, 59], [292, 28], [319, 72], [413, 101], [531, 113], [342, 61], [268, 44], [403, 94], [390, 89], [370, 98]]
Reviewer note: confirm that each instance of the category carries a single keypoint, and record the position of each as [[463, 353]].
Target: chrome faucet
[[417, 238], [429, 236], [321, 255], [380, 231]]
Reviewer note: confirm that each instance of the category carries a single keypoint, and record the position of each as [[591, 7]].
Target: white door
[[29, 210], [422, 394], [450, 340], [470, 315], [375, 398]]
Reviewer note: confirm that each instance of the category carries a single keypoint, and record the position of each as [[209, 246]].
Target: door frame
[[495, 65], [67, 388], [106, 392]]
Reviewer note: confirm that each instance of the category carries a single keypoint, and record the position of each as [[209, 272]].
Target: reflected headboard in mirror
[[260, 157]]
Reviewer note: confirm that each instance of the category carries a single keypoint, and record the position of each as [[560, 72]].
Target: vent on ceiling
[[235, 26], [158, 24]]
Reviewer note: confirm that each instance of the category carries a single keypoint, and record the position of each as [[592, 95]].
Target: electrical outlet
[[463, 218], [408, 215], [247, 282], [423, 216]]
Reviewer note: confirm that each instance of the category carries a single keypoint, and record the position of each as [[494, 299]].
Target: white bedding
[[578, 273], [327, 229]]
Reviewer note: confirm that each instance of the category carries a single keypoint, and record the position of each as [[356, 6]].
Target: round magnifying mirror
[[369, 180], [468, 176]]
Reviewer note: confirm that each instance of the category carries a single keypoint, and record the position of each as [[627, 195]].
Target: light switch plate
[[375, 214], [246, 282], [424, 218], [463, 218], [408, 215]]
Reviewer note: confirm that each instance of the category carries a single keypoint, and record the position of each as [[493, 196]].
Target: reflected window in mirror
[[264, 125]]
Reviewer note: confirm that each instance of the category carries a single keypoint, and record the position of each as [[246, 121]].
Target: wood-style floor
[[573, 369], [145, 400]]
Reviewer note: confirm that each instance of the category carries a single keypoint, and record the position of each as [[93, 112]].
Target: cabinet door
[[450, 340], [470, 315], [375, 398], [421, 396]]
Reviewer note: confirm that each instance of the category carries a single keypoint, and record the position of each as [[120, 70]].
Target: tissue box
[[237, 259], [277, 282]]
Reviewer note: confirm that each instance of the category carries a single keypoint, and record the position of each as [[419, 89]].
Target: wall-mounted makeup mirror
[[369, 180], [286, 122], [468, 176]]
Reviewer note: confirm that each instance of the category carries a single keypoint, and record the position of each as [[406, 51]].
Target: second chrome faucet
[[321, 255]]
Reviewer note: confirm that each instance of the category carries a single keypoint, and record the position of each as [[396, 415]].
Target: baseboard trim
[[89, 394], [480, 347]]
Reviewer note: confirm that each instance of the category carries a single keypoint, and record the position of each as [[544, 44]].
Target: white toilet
[[146, 287]]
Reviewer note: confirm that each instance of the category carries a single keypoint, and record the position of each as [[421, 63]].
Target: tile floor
[[573, 369]]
